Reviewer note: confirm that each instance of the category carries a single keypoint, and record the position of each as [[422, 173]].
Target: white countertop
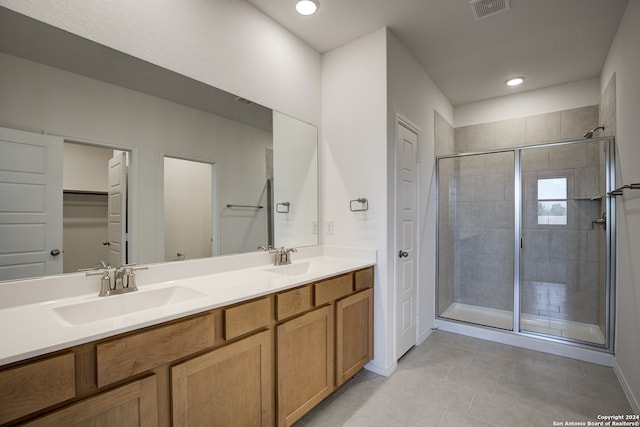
[[33, 329]]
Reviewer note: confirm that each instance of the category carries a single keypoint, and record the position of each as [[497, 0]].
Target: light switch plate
[[328, 227]]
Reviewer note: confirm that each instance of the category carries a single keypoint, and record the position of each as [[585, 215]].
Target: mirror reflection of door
[[30, 204], [94, 206], [188, 209]]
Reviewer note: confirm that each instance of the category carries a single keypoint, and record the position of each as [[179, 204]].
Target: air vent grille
[[243, 100], [485, 8]]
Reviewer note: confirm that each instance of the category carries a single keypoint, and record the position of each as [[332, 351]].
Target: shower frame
[[610, 242]]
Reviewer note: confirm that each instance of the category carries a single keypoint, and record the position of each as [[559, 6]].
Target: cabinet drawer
[[247, 317], [36, 386], [293, 302], [333, 289], [134, 405], [130, 355], [364, 279]]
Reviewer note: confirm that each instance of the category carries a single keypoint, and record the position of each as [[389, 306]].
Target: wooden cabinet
[[121, 358], [36, 386], [304, 363], [332, 289], [354, 334], [266, 360], [230, 386], [246, 317], [293, 302], [131, 405]]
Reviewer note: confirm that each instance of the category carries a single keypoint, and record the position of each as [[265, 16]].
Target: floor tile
[[458, 381]]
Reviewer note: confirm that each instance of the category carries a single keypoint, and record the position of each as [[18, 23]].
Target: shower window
[[552, 201]]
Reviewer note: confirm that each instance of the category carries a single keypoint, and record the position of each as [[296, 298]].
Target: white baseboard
[[381, 370], [425, 335], [635, 404]]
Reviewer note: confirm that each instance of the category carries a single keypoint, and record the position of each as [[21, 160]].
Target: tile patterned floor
[[458, 381]]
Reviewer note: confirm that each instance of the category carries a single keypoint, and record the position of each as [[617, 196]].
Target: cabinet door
[[36, 386], [354, 334], [230, 386], [131, 405], [305, 363]]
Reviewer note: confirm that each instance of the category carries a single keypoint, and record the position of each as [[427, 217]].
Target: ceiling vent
[[484, 8], [243, 100]]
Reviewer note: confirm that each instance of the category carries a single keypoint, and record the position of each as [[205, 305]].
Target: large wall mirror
[[101, 155]]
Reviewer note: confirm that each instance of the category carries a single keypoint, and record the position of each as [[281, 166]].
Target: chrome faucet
[[283, 256], [124, 278]]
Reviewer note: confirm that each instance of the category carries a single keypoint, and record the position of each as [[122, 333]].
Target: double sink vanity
[[225, 341]]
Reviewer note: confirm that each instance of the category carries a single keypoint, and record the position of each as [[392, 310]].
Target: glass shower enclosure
[[525, 240]]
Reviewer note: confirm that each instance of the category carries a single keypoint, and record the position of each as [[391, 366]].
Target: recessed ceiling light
[[515, 81], [307, 7]]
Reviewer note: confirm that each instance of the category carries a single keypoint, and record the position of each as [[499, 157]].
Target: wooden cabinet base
[[230, 386], [131, 405], [305, 363], [354, 334]]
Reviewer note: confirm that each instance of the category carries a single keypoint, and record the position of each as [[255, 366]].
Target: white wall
[[36, 97], [295, 160], [413, 95], [624, 61], [225, 43], [353, 164], [555, 98], [86, 168]]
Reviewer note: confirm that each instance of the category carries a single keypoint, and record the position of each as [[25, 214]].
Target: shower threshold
[[503, 319]]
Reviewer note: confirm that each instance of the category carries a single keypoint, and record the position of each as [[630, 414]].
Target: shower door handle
[[403, 254], [600, 221]]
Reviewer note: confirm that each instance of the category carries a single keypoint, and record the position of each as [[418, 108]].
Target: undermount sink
[[292, 269], [118, 305]]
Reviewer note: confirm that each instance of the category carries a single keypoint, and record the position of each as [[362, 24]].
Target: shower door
[[563, 257], [476, 238], [526, 240]]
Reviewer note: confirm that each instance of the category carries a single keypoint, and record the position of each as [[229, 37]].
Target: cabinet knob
[[403, 254]]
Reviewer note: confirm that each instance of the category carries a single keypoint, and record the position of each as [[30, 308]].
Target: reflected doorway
[[95, 205], [188, 209]]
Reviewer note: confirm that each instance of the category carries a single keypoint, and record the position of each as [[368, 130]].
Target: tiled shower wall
[[476, 216]]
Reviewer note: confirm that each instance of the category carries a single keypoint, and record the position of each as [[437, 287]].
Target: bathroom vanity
[[257, 351]]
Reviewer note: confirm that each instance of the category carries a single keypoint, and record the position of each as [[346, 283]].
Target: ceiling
[[549, 41]]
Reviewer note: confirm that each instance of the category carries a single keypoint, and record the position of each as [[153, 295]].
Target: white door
[[188, 209], [117, 207], [406, 228], [30, 204]]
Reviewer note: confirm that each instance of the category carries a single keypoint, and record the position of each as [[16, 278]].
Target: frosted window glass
[[552, 201], [552, 188]]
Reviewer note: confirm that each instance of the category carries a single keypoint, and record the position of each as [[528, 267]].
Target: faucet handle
[[130, 273], [105, 281]]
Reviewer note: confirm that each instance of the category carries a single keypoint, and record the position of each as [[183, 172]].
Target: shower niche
[[525, 238]]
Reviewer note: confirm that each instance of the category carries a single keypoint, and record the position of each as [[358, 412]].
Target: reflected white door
[[406, 221], [30, 204], [188, 209], [117, 207]]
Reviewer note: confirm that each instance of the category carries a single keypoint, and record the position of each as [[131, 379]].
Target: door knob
[[55, 252], [403, 254]]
